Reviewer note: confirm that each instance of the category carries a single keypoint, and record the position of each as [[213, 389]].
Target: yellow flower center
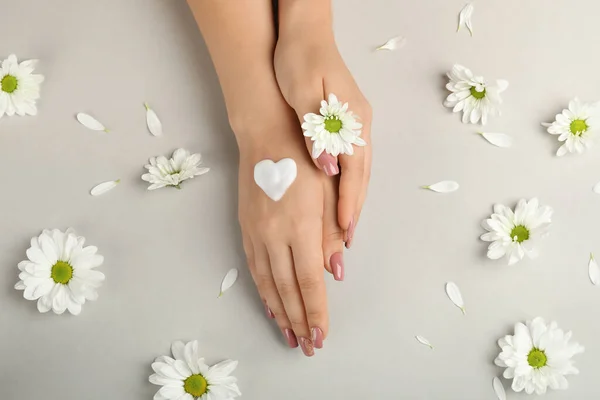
[[578, 126], [9, 84], [62, 272], [476, 94], [537, 358], [520, 233], [195, 385], [333, 124]]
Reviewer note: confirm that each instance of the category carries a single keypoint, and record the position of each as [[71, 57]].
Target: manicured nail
[[307, 347], [269, 312], [337, 266], [350, 233], [290, 338], [328, 164], [317, 337]]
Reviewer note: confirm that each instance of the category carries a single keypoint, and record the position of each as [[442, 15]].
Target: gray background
[[166, 251]]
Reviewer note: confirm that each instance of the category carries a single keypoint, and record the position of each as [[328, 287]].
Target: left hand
[[309, 67]]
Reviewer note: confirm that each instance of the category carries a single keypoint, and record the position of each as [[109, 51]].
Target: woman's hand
[[288, 242], [309, 67]]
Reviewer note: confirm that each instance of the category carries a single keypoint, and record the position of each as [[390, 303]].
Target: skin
[[287, 243]]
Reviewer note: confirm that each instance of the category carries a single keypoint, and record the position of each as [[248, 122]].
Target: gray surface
[[167, 251]]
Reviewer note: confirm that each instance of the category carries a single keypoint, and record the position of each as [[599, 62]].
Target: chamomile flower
[[185, 376], [59, 272], [19, 87], [538, 356], [576, 126], [172, 172], [335, 130], [477, 99], [515, 234]]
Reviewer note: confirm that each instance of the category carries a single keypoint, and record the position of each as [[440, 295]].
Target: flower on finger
[[576, 126], [538, 356], [19, 87], [185, 376], [477, 99], [334, 130], [60, 272], [516, 234], [173, 171]]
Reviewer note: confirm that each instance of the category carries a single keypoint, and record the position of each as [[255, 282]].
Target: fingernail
[[307, 347], [328, 164], [269, 312], [337, 266], [350, 233], [317, 337], [290, 338]]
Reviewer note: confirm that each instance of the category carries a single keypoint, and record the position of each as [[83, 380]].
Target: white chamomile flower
[[187, 377], [575, 126], [59, 272], [172, 172], [335, 130], [514, 234], [538, 356], [472, 95], [19, 87]]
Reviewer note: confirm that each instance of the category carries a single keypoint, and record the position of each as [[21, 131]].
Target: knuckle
[[286, 288], [298, 323], [316, 315], [268, 227], [308, 283], [264, 282]]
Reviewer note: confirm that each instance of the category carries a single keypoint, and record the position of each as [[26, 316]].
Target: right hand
[[288, 242]]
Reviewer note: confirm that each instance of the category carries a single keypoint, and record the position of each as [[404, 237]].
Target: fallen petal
[[464, 18], [152, 121], [593, 270], [90, 122], [455, 296], [393, 44], [424, 341], [228, 280], [443, 187], [498, 139], [498, 389], [104, 187]]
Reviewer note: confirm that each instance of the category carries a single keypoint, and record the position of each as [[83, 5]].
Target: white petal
[[90, 122], [464, 18], [104, 187], [596, 188], [424, 341], [498, 389], [154, 124], [498, 139], [455, 296], [393, 44], [228, 280], [443, 187], [594, 271]]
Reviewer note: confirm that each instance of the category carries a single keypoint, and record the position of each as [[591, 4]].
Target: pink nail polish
[[337, 266], [269, 312], [328, 164], [290, 338], [317, 337], [307, 346]]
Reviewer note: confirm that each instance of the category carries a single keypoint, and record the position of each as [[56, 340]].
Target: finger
[[263, 278], [289, 292], [363, 195], [308, 259], [333, 234], [351, 185]]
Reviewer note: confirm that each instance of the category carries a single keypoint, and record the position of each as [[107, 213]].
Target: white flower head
[[515, 234], [472, 95], [172, 172], [576, 126], [538, 356], [19, 87], [59, 272], [187, 377], [335, 130]]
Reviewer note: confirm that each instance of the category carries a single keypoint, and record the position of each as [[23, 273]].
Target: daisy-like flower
[[538, 356], [187, 377], [19, 87], [335, 130], [514, 234], [472, 95], [575, 126], [172, 172], [59, 272]]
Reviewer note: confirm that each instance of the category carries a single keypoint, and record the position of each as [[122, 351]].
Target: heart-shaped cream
[[275, 178]]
